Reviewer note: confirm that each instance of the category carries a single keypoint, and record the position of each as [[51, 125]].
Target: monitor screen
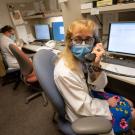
[[122, 38], [58, 31], [42, 32]]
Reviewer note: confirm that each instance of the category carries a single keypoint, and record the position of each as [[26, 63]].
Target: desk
[[122, 70], [110, 67], [119, 84], [35, 48]]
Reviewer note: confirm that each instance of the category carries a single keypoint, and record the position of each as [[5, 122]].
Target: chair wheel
[[45, 104], [26, 102]]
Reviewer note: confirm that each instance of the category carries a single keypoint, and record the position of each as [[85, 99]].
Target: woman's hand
[[133, 113], [99, 51], [130, 102], [112, 101]]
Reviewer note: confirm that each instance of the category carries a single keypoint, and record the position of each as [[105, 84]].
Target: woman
[[77, 88], [8, 37]]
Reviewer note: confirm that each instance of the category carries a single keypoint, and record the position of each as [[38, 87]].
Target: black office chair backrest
[[25, 63], [2, 66], [5, 66], [4, 62], [44, 68]]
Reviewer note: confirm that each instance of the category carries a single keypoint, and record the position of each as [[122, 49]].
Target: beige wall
[[70, 11], [4, 14]]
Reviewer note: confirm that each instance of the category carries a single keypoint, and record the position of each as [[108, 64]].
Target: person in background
[[82, 89], [7, 38]]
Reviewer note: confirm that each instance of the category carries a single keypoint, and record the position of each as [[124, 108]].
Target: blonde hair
[[67, 55]]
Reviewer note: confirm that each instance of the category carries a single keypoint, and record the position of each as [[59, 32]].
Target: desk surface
[[110, 67], [36, 48], [121, 70]]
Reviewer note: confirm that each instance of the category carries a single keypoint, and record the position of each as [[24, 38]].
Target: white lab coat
[[4, 46], [74, 89]]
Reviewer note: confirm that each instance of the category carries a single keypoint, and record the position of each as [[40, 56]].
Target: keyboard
[[37, 43], [117, 61], [60, 43], [35, 48]]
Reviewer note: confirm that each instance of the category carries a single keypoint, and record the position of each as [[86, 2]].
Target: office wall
[[70, 11], [53, 5], [4, 14]]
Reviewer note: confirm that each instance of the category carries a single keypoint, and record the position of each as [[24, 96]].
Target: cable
[[99, 20]]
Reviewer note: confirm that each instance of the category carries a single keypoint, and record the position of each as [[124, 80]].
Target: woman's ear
[[71, 44]]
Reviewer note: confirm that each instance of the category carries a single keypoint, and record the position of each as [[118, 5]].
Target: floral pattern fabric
[[121, 114]]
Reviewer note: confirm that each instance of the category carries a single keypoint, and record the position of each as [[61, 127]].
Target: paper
[[16, 17], [61, 30], [94, 11], [22, 33], [86, 5], [31, 37]]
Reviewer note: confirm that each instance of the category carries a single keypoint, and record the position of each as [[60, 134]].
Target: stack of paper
[[86, 5]]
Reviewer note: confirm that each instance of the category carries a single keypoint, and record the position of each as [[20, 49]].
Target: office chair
[[44, 66], [9, 75], [28, 74], [2, 67]]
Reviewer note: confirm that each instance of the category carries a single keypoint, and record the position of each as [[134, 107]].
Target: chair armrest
[[92, 125]]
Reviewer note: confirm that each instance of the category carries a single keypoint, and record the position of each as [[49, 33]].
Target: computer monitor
[[122, 38], [42, 32], [58, 31]]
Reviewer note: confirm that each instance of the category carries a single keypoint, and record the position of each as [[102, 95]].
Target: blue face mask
[[79, 50], [13, 37]]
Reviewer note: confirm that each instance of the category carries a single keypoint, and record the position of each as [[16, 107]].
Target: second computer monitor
[[42, 32], [58, 31], [122, 38]]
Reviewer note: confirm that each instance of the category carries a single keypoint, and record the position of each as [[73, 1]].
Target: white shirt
[[75, 92], [4, 45]]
